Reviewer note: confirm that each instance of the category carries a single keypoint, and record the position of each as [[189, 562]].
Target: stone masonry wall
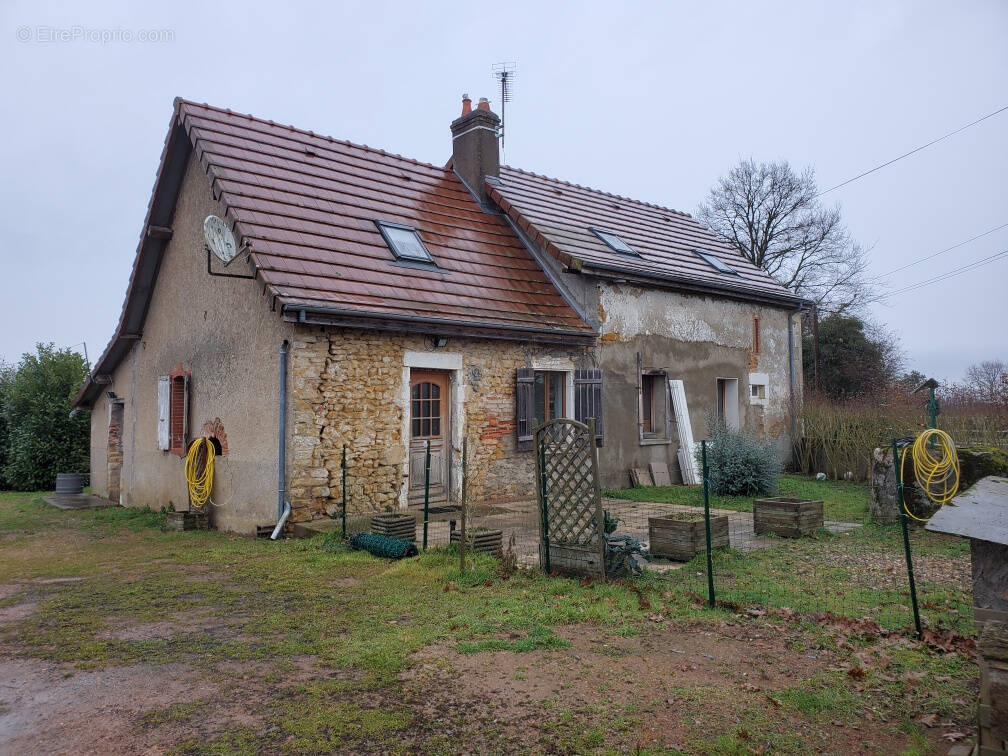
[[115, 451], [350, 387], [343, 390]]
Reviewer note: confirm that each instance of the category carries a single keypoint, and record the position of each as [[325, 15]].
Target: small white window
[[405, 242], [715, 263], [758, 392]]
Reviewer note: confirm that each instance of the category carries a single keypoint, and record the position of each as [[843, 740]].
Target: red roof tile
[[307, 206], [558, 216]]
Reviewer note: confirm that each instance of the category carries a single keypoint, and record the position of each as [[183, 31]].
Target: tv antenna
[[505, 74]]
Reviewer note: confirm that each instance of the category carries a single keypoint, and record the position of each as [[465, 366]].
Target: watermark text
[[91, 35]]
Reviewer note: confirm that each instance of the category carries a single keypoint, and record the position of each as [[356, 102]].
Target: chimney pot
[[475, 147]]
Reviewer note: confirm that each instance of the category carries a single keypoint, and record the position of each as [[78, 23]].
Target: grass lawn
[[118, 636], [857, 573], [842, 500]]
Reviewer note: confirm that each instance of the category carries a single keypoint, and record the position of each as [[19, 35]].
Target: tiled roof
[[307, 206], [558, 217]]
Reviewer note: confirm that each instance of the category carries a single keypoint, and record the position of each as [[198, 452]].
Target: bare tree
[[770, 214], [988, 381]]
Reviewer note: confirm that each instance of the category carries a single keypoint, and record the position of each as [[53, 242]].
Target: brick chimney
[[475, 150]]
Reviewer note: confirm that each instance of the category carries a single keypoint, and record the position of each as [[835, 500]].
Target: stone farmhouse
[[382, 303]]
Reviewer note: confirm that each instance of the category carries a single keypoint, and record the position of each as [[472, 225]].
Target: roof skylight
[[715, 263], [613, 241], [405, 242]]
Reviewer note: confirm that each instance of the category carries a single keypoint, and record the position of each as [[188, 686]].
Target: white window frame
[[759, 381]]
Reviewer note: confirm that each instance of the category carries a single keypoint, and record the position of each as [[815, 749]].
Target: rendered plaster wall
[[223, 331], [697, 339], [100, 418]]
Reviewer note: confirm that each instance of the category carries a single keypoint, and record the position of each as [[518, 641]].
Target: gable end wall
[[222, 330]]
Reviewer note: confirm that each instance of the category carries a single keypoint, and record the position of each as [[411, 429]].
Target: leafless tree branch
[[769, 213]]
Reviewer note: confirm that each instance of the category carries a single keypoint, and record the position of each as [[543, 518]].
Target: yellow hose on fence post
[[200, 481], [937, 475]]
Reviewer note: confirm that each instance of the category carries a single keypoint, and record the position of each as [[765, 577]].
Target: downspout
[[283, 506], [791, 379]]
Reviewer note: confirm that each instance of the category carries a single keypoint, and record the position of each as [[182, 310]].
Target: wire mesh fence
[[813, 549]]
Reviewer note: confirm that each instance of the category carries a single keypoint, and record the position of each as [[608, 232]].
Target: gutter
[[316, 315], [613, 272]]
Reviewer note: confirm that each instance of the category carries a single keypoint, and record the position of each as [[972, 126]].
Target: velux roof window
[[613, 241], [715, 263], [405, 242]]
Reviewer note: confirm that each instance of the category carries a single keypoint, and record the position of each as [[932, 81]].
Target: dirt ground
[[665, 685], [734, 669], [119, 638]]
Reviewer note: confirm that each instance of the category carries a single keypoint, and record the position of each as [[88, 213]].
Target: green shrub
[[739, 464], [42, 438]]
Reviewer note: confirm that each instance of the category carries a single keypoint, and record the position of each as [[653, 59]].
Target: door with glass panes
[[429, 419]]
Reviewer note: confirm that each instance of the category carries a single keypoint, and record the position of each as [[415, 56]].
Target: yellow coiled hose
[[200, 481], [936, 469]]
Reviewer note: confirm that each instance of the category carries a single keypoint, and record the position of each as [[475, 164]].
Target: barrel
[[69, 483]]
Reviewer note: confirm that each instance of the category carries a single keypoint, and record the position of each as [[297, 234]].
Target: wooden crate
[[187, 521], [788, 518], [394, 525], [681, 539], [576, 561], [485, 540]]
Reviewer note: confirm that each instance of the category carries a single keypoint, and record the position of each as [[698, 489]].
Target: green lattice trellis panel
[[570, 499]]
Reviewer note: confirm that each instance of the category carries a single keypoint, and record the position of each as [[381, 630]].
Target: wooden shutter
[[524, 408], [588, 400], [640, 398], [179, 413], [164, 411]]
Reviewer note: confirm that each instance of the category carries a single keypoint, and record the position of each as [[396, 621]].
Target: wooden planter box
[[394, 525], [488, 541], [788, 518], [187, 521], [682, 539]]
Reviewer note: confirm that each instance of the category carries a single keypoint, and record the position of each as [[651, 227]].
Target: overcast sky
[[652, 101]]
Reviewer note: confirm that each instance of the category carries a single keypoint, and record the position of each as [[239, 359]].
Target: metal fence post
[[343, 477], [706, 506], [426, 494], [898, 474], [465, 501], [545, 508]]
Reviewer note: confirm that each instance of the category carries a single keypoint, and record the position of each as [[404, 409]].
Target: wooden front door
[[429, 421]]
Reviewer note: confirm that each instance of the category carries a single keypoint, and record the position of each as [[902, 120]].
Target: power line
[[944, 276], [916, 149], [940, 252]]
